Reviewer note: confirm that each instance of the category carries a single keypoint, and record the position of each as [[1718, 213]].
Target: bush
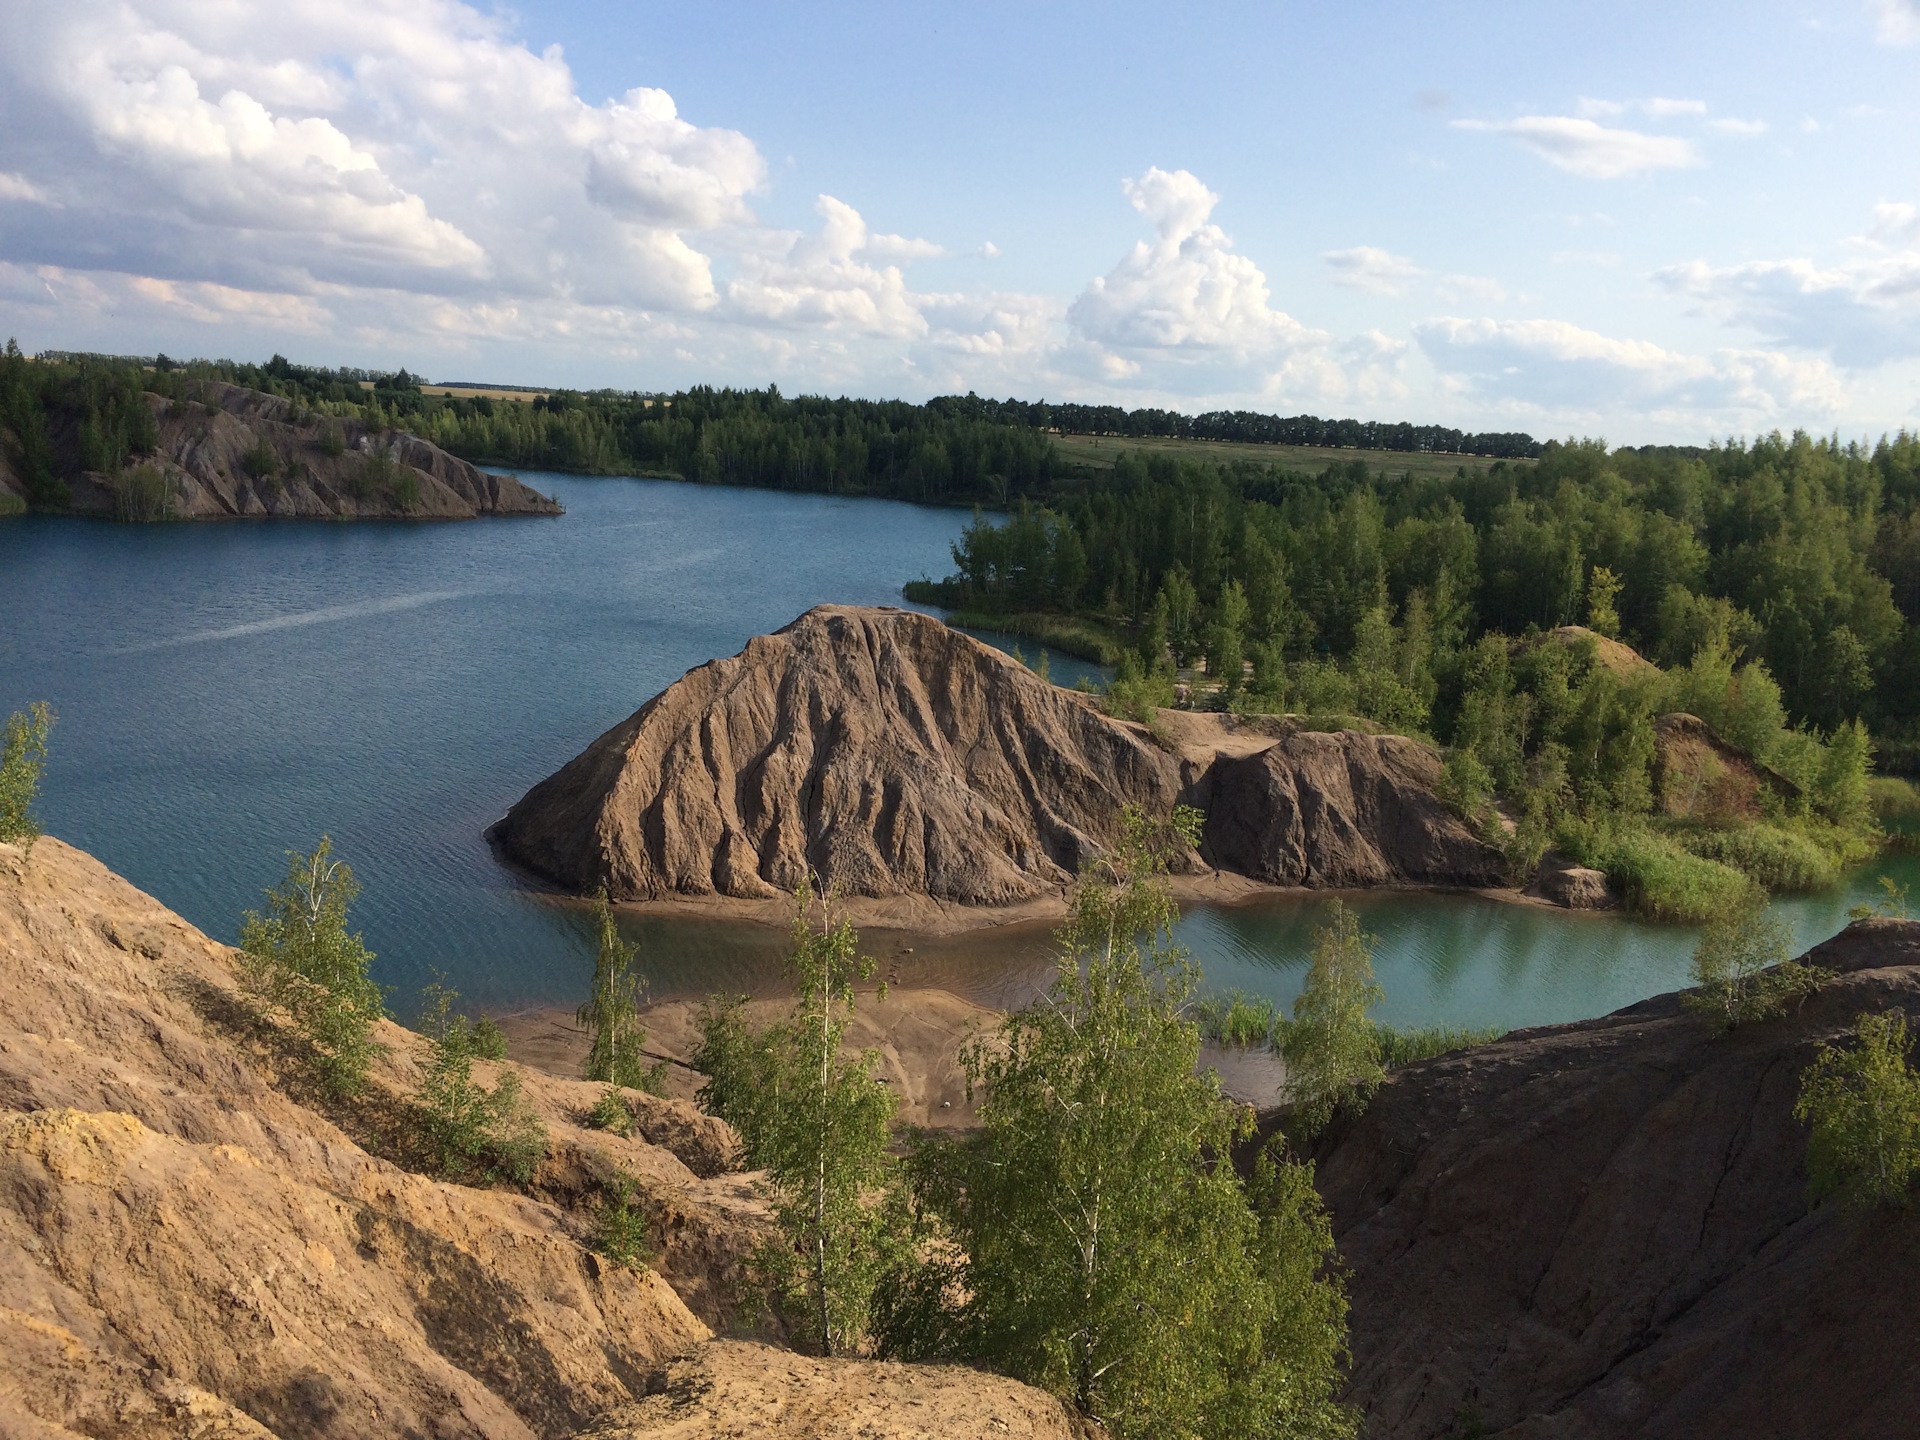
[[1862, 1104], [260, 460], [331, 441], [610, 1113], [23, 756], [621, 1225], [1403, 1047], [1775, 858], [1662, 880], [1238, 1019], [11, 504], [141, 495], [1896, 803], [466, 1127], [611, 1012], [1744, 973], [1332, 1049], [406, 489], [299, 960]]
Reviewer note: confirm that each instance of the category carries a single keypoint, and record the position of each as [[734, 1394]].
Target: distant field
[[1102, 450], [468, 392]]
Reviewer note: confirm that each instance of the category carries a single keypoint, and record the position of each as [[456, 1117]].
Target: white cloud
[[819, 282], [1557, 367], [1369, 268], [18, 187], [989, 250], [1595, 151], [1187, 290], [1660, 108], [1738, 129], [1899, 21], [1471, 287]]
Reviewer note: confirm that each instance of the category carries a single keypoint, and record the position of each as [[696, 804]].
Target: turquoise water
[[228, 691]]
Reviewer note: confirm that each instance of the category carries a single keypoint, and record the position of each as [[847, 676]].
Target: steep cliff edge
[[238, 453], [185, 1250], [898, 757], [1603, 1229]]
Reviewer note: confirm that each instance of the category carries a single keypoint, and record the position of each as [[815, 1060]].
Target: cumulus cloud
[[1556, 366], [1369, 268], [351, 142], [1864, 311], [1583, 147], [1899, 21], [825, 281], [1186, 290]]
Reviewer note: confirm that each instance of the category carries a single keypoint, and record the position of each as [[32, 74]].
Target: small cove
[[227, 691]]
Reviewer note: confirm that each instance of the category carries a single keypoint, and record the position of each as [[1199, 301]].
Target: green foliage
[[260, 460], [1658, 876], [1896, 803], [1135, 692], [610, 1113], [1332, 1048], [621, 1224], [1403, 1047], [611, 1013], [141, 494], [1743, 971], [1226, 638], [817, 1122], [1088, 1239], [299, 960], [489, 1042], [1892, 904], [1238, 1020], [1862, 1104], [331, 440], [465, 1127], [23, 757], [1603, 587]]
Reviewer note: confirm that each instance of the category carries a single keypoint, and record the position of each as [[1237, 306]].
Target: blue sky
[[1647, 222]]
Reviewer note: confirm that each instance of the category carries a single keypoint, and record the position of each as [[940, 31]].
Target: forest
[[958, 449]]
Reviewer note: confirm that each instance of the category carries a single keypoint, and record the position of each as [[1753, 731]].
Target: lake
[[229, 691]]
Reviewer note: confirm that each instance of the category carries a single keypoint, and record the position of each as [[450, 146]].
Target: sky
[[1646, 222]]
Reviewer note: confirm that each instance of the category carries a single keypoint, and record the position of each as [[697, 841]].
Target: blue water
[[228, 691]]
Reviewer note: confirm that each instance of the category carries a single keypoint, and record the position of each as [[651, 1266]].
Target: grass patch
[[1896, 803], [1662, 879], [1071, 634], [11, 504], [1423, 1042], [1779, 859]]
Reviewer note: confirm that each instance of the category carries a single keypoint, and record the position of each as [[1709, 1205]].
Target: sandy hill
[[898, 757]]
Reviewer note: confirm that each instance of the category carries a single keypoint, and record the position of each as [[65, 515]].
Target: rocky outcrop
[[1572, 886], [1699, 776], [237, 453], [894, 756], [186, 1250], [1341, 811], [1603, 1229]]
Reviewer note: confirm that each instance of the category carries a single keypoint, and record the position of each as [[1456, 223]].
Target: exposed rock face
[[887, 752], [1603, 1229], [1697, 775], [209, 451], [184, 1250], [1340, 810], [895, 756]]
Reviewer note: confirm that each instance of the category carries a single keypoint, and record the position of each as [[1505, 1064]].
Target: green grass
[[1661, 879], [1423, 1042], [1779, 859], [1896, 802], [1253, 1022]]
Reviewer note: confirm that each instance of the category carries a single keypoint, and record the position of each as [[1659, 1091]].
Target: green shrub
[[1775, 858], [1896, 802], [11, 504], [1423, 1042], [141, 495], [1662, 880], [465, 1127], [331, 440], [1743, 971], [611, 1012], [1862, 1103], [621, 1225], [489, 1041], [406, 489], [1238, 1019], [299, 960], [1331, 1047], [260, 460], [610, 1113], [23, 756]]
